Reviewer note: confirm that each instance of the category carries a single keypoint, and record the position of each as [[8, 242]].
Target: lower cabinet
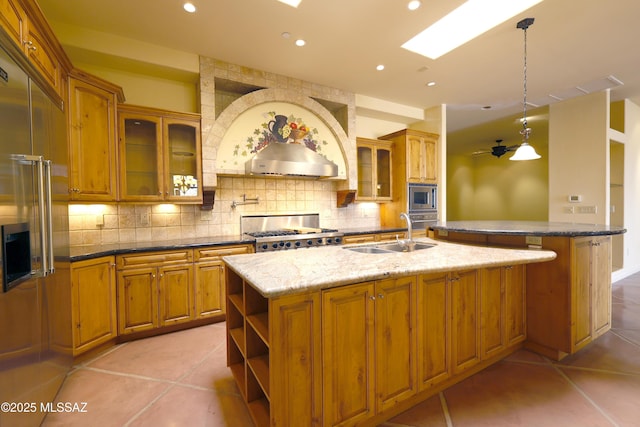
[[154, 289], [502, 308], [465, 310], [355, 354], [209, 278], [433, 329], [93, 303]]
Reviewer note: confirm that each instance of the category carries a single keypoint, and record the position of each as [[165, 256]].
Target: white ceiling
[[571, 43]]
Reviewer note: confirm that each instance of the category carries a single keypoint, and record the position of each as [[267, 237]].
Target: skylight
[[465, 23], [292, 3]]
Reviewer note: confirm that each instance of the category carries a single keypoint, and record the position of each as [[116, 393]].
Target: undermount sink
[[383, 248]]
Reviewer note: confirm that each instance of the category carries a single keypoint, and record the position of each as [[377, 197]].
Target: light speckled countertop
[[290, 272]]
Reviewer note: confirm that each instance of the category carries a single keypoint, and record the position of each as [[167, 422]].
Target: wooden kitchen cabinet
[[591, 284], [13, 19], [465, 317], [395, 341], [433, 329], [93, 303], [93, 166], [415, 157], [419, 152], [375, 163], [274, 352], [210, 276], [155, 289], [381, 237], [160, 155], [502, 308], [348, 347]]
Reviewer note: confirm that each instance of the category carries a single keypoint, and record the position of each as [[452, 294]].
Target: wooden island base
[[363, 353]]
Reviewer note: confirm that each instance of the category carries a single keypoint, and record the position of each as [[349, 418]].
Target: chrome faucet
[[407, 243]]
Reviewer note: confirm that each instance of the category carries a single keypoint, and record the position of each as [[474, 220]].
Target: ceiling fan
[[498, 150]]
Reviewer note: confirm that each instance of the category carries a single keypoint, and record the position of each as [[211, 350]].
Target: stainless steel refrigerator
[[35, 312]]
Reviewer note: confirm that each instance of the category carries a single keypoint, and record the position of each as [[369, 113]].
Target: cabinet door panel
[[175, 294], [414, 165], [137, 300], [581, 293], [94, 302], [395, 339], [492, 310], [434, 329], [601, 285], [93, 142], [296, 366], [515, 302], [348, 347], [210, 289], [465, 348]]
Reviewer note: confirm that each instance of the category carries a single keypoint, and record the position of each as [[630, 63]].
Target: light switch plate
[[533, 240]]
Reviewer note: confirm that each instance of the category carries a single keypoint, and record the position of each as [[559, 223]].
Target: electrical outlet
[[443, 233], [99, 220]]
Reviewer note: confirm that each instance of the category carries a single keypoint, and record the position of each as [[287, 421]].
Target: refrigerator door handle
[[42, 213], [50, 267]]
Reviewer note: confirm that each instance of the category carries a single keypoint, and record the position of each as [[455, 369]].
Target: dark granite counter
[[530, 228], [82, 252]]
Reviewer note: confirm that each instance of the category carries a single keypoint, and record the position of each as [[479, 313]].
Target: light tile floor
[[180, 379]]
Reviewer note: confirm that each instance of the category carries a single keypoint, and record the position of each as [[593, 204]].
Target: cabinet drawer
[[155, 258], [215, 253], [363, 238]]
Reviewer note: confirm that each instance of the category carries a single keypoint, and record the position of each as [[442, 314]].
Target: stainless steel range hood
[[290, 160]]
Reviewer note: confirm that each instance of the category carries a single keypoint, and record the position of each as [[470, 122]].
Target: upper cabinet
[[92, 138], [25, 25], [374, 170], [420, 151], [160, 155]]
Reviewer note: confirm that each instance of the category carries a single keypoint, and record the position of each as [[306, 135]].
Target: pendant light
[[525, 151]]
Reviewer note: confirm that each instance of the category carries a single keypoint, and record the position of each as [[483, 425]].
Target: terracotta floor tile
[[514, 395], [186, 406], [629, 334], [609, 352], [426, 414], [111, 399], [628, 293], [625, 315], [213, 373], [168, 356], [616, 394], [526, 356]]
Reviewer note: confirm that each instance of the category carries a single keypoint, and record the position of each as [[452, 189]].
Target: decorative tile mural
[[276, 122]]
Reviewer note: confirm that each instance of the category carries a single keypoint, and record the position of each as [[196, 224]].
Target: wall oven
[[422, 200]]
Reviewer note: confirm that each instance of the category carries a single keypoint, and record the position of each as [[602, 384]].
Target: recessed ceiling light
[[300, 42], [189, 7], [285, 35], [430, 84], [413, 4], [380, 67], [465, 23], [292, 3]]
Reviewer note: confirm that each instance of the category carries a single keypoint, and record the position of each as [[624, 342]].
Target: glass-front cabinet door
[[374, 170], [160, 155], [141, 162], [183, 176]]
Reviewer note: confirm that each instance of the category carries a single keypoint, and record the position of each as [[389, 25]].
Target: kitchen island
[[329, 336], [568, 299]]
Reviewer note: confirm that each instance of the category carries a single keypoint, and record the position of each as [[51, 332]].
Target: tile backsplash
[[126, 223]]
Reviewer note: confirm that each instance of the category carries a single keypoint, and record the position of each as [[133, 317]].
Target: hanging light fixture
[[525, 151]]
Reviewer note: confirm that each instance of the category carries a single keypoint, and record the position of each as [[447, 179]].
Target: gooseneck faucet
[[409, 244]]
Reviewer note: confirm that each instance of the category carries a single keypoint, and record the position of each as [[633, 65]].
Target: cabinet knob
[[29, 45], [372, 298], [380, 296]]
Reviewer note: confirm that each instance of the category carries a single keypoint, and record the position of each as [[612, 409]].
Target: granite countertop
[[290, 272], [532, 228], [82, 252]]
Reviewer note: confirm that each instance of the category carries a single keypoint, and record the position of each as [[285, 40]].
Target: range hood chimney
[[290, 160]]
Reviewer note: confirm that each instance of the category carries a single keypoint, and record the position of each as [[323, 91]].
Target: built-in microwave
[[423, 200]]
